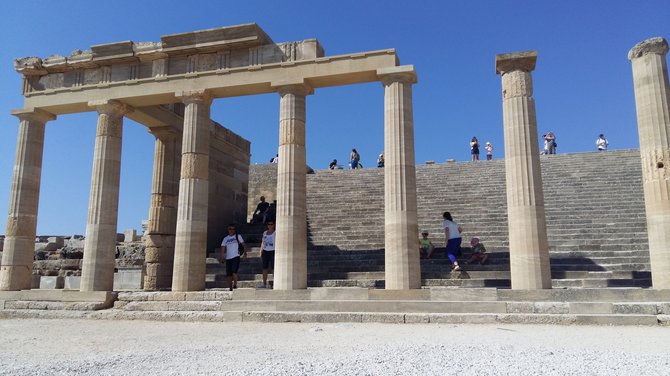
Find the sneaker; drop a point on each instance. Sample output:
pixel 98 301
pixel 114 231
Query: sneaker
pixel 456 268
pixel 234 286
pixel 262 286
pixel 231 289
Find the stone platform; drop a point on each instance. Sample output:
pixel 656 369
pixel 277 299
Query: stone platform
pixel 611 306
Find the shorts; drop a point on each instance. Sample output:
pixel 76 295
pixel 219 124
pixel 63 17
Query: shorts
pixel 479 256
pixel 268 259
pixel 232 265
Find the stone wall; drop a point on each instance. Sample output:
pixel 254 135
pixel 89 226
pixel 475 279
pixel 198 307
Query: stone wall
pixel 262 182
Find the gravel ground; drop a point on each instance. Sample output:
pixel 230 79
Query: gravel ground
pixel 89 347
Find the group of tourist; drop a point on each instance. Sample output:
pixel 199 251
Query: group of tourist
pixel 452 240
pixel 355 161
pixel 474 149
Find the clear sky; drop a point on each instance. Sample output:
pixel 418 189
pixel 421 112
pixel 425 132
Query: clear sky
pixel 583 83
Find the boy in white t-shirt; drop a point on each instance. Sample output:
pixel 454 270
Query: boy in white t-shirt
pixel 232 247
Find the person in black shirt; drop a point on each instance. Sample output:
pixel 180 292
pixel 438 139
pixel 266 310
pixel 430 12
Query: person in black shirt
pixel 260 214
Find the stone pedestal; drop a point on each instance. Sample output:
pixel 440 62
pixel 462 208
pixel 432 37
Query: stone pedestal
pixel 652 101
pixel 291 242
pixel 401 231
pixel 97 272
pixel 19 243
pixel 529 248
pixel 160 234
pixel 191 234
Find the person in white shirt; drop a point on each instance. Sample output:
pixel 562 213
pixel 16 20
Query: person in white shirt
pixel 268 253
pixel 489 151
pixel 232 247
pixel 602 143
pixel 452 236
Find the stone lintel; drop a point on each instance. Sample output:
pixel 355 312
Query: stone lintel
pixel 657 45
pixel 295 85
pixel 194 96
pixel 33 114
pixel 110 107
pixel 237 36
pixel 522 60
pixel 399 73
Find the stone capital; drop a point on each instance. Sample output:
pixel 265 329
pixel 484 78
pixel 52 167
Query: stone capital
pixel 658 46
pixel 110 107
pixel 163 133
pixel 33 114
pixel 513 61
pixel 403 73
pixel 296 89
pixel 194 96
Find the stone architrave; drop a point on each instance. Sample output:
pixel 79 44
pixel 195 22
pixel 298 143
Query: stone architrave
pixel 529 248
pixel 652 101
pixel 19 243
pixel 401 231
pixel 160 234
pixel 290 271
pixel 191 233
pixel 97 272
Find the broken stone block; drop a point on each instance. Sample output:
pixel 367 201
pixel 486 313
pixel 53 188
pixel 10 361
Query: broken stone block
pixel 129 235
pixel 58 240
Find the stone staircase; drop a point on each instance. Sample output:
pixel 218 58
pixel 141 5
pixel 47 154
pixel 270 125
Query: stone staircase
pixel 595 222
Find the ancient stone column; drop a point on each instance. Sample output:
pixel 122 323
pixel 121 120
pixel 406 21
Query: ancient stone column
pixel 160 237
pixel 652 100
pixel 19 246
pixel 97 272
pixel 291 243
pixel 528 245
pixel 401 259
pixel 191 237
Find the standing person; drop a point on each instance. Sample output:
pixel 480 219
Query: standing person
pixel 489 151
pixel 602 143
pixel 452 236
pixel 354 158
pixel 232 247
pixel 268 253
pixel 380 161
pixel 551 142
pixel 545 147
pixel 474 149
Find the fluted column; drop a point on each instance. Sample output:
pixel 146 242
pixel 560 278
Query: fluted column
pixel 160 237
pixel 19 247
pixel 528 245
pixel 291 243
pixel 652 100
pixel 97 272
pixel 191 237
pixel 401 258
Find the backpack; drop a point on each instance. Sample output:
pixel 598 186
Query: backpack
pixel 240 246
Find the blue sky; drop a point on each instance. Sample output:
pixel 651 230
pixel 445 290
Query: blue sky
pixel 583 83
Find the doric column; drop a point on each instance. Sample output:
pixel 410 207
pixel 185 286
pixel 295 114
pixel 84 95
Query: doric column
pixel 160 237
pixel 19 246
pixel 652 96
pixel 528 245
pixel 191 238
pixel 291 244
pixel 97 272
pixel 401 258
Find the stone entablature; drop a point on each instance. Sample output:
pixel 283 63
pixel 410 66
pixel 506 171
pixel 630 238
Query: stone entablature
pixel 222 49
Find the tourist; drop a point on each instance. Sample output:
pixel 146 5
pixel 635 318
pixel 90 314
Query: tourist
pixel 333 165
pixel 602 143
pixel 545 147
pixel 474 149
pixel 232 247
pixel 551 145
pixel 268 253
pixel 354 159
pixel 489 151
pixel 478 252
pixel 380 161
pixel 260 214
pixel 426 247
pixel 452 237
pixel 271 214
pixel 275 159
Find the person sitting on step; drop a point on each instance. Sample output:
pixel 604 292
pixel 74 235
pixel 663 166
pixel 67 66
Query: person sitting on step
pixel 478 252
pixel 426 247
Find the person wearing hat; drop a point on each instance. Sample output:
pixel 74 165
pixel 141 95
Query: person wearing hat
pixel 489 151
pixel 426 247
